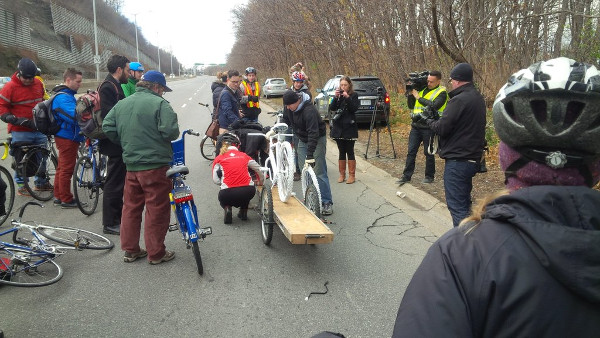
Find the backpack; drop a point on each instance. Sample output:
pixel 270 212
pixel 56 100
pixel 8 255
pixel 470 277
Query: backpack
pixel 44 117
pixel 89 113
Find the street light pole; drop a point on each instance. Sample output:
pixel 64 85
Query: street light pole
pixel 96 57
pixel 171 47
pixel 158 49
pixel 137 50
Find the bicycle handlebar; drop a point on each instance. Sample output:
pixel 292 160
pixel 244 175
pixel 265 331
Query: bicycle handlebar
pixel 191 132
pixel 203 104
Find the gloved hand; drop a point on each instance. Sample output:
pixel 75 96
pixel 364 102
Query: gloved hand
pixel 430 113
pixel 252 98
pixel 416 117
pixel 21 121
pixel 310 162
pixel 8 118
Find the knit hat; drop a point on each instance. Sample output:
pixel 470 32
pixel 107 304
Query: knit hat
pixel 290 97
pixel 462 72
pixel 536 173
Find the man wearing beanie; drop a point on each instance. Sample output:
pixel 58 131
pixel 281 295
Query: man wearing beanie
pixel 307 124
pixel 461 131
pixel 527 262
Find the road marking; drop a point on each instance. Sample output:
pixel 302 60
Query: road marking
pixel 190 99
pixel 185 104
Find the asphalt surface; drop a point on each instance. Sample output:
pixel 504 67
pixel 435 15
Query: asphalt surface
pixel 248 289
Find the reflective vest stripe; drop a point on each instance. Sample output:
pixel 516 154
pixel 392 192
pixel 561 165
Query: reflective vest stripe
pixel 432 95
pixel 248 91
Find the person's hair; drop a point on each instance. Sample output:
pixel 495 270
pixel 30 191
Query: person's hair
pixel 147 84
pixel 231 73
pixel 478 209
pixel 115 62
pixel 222 76
pixel 347 79
pixel 436 73
pixel 225 147
pixel 71 73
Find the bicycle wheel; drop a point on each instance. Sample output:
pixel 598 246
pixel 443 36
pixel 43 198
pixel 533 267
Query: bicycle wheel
pixel 312 194
pixel 20 267
pixel 78 238
pixel 208 148
pixel 10 193
pixel 86 191
pixel 286 169
pixel 189 220
pixel 196 251
pixel 266 213
pixel 42 164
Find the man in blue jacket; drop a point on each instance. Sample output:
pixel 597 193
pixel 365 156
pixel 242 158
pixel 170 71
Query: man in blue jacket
pixel 228 109
pixel 68 137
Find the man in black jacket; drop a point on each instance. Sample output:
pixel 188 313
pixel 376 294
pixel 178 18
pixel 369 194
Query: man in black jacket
pixel 307 124
pixel 110 93
pixel 461 130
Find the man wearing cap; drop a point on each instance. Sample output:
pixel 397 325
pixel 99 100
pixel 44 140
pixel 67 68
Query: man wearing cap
pixel 306 122
pixel 135 74
pixel 144 124
pixel 461 130
pixel 17 99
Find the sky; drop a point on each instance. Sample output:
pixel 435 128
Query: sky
pixel 197 31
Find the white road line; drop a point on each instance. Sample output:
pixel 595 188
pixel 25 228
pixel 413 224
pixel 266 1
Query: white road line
pixel 190 99
pixel 185 104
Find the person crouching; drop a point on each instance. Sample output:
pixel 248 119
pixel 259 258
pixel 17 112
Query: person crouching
pixel 230 170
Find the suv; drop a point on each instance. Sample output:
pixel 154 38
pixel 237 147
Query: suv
pixel 370 90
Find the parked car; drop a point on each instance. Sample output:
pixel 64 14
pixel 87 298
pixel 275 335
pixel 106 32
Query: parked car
pixel 3 80
pixel 372 95
pixel 274 87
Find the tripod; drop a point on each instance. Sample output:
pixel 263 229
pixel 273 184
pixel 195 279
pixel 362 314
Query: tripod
pixel 379 103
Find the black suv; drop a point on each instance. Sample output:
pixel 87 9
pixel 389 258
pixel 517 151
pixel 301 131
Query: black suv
pixel 372 96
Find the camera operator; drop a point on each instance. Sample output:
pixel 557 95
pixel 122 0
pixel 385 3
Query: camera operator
pixel 343 127
pixel 462 135
pixel 433 96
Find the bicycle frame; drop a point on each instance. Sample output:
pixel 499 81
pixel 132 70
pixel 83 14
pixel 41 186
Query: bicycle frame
pixel 92 150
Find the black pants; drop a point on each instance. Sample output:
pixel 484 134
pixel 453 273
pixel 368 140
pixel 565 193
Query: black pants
pixel 345 148
pixel 112 200
pixel 236 197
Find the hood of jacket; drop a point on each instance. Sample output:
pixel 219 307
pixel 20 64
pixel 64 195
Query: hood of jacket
pixel 216 84
pixel 304 98
pixel 561 226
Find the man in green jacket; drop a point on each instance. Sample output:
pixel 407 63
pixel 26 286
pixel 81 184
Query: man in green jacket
pixel 136 70
pixel 144 124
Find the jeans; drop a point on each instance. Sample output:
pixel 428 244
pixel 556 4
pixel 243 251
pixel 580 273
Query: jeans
pixel 320 166
pixel 416 136
pixel 458 183
pixel 33 137
pixel 149 189
pixel 67 155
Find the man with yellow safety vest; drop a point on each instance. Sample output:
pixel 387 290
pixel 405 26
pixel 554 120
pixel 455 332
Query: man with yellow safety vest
pixel 434 96
pixel 250 96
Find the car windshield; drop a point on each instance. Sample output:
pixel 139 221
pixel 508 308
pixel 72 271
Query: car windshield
pixel 367 85
pixel 277 81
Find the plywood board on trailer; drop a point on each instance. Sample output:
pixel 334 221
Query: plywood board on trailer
pixel 299 224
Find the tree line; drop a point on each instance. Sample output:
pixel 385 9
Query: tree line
pixel 390 38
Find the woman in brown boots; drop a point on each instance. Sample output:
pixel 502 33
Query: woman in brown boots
pixel 343 127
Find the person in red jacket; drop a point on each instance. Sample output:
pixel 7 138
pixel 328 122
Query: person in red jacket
pixel 230 170
pixel 17 99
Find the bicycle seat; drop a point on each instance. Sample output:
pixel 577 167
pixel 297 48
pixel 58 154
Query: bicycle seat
pixel 280 127
pixel 178 169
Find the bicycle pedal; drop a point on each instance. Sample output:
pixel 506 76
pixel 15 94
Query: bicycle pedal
pixel 206 231
pixel 173 227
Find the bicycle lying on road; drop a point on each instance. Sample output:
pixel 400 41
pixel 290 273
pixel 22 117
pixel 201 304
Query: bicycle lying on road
pixel 182 201
pixel 29 260
pixel 88 177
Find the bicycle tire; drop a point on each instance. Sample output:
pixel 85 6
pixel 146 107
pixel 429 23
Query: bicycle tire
pixel 197 257
pixel 312 194
pixel 286 168
pixel 191 227
pixel 10 193
pixel 86 191
pixel 25 268
pixel 266 213
pixel 78 238
pixel 48 172
pixel 208 149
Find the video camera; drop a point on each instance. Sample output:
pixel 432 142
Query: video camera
pixel 417 81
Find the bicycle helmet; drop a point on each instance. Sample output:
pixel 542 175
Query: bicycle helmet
pixel 230 138
pixel 298 76
pixel 136 66
pixel 250 70
pixel 27 68
pixel 549 113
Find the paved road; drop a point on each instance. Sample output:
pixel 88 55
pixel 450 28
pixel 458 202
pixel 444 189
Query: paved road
pixel 248 289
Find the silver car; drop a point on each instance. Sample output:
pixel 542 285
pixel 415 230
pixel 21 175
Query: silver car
pixel 274 87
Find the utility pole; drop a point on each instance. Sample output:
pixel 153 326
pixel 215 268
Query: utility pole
pixel 96 57
pixel 137 50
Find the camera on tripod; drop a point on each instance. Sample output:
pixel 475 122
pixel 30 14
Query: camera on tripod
pixel 417 81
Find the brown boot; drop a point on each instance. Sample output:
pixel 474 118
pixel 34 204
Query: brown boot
pixel 342 167
pixel 351 171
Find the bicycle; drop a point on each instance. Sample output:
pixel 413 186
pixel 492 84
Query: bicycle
pixel 310 190
pixel 88 178
pixel 40 160
pixel 182 201
pixel 208 147
pixel 7 178
pixel 30 261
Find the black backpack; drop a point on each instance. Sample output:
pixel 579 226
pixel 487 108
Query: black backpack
pixel 43 116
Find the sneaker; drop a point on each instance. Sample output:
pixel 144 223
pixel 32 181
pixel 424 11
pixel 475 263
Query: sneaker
pixel 44 187
pixel 428 180
pixel 132 257
pixel 327 209
pixel 112 229
pixel 56 202
pixel 227 217
pixel 22 191
pixel 403 180
pixel 169 255
pixel 297 176
pixel 69 205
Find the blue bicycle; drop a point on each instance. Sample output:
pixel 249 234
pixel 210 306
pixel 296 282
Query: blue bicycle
pixel 88 177
pixel 182 201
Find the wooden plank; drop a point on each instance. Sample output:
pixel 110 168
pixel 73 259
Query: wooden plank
pixel 299 224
